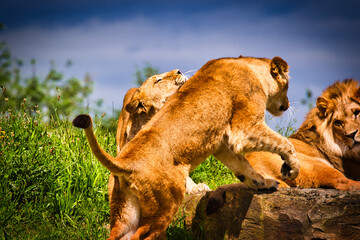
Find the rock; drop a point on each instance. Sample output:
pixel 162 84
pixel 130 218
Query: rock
pixel 236 212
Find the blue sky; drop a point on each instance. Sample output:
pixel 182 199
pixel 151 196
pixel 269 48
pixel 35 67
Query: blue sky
pixel 319 39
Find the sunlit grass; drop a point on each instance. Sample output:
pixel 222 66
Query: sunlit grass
pixel 52 186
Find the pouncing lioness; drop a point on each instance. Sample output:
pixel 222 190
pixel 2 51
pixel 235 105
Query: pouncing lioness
pixel 220 111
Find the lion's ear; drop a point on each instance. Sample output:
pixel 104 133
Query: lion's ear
pixel 279 69
pixel 137 106
pixel 357 95
pixel 322 104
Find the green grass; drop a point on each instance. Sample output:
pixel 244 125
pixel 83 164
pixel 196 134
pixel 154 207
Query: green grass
pixel 213 173
pixel 51 185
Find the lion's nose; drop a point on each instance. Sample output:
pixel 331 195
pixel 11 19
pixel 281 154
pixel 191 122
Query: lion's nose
pixel 352 135
pixel 284 108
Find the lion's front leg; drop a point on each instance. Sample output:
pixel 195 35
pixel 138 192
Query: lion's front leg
pixel 259 137
pixel 243 170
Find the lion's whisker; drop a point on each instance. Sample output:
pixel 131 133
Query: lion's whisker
pixel 193 70
pixel 188 75
pixel 291 114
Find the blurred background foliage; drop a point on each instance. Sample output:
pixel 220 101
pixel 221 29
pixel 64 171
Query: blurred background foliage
pixel 52 94
pixel 144 73
pixel 308 100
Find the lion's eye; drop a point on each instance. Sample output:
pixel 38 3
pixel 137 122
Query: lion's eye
pixel 158 80
pixel 356 112
pixel 338 123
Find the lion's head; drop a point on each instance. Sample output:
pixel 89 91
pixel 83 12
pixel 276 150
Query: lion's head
pixel 154 92
pixel 339 108
pixel 336 117
pixel 279 102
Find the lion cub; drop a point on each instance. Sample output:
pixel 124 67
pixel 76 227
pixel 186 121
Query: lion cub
pixel 220 111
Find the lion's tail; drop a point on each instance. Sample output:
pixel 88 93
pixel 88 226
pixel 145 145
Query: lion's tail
pixel 84 121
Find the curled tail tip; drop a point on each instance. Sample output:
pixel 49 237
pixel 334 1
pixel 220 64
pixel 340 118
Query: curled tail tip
pixel 82 121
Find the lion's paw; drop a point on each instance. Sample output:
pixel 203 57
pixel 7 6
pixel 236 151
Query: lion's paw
pixel 267 184
pixel 288 172
pixel 198 188
pixel 270 184
pixel 260 183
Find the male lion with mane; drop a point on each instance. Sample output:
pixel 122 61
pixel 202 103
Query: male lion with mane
pixel 219 111
pixel 327 143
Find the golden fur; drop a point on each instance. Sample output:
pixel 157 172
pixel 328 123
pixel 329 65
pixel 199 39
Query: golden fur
pixel 327 143
pixel 220 111
pixel 139 106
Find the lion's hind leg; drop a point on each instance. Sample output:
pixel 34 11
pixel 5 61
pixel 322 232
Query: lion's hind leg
pixel 155 218
pixel 149 235
pixel 159 199
pixel 151 229
pixel 243 170
pixel 124 210
pixel 140 232
pixel 157 236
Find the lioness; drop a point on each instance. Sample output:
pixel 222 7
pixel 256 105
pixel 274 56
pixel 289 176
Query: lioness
pixel 220 111
pixel 139 106
pixel 327 143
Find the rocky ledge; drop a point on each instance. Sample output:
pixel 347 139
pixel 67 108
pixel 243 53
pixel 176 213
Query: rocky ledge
pixel 236 212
